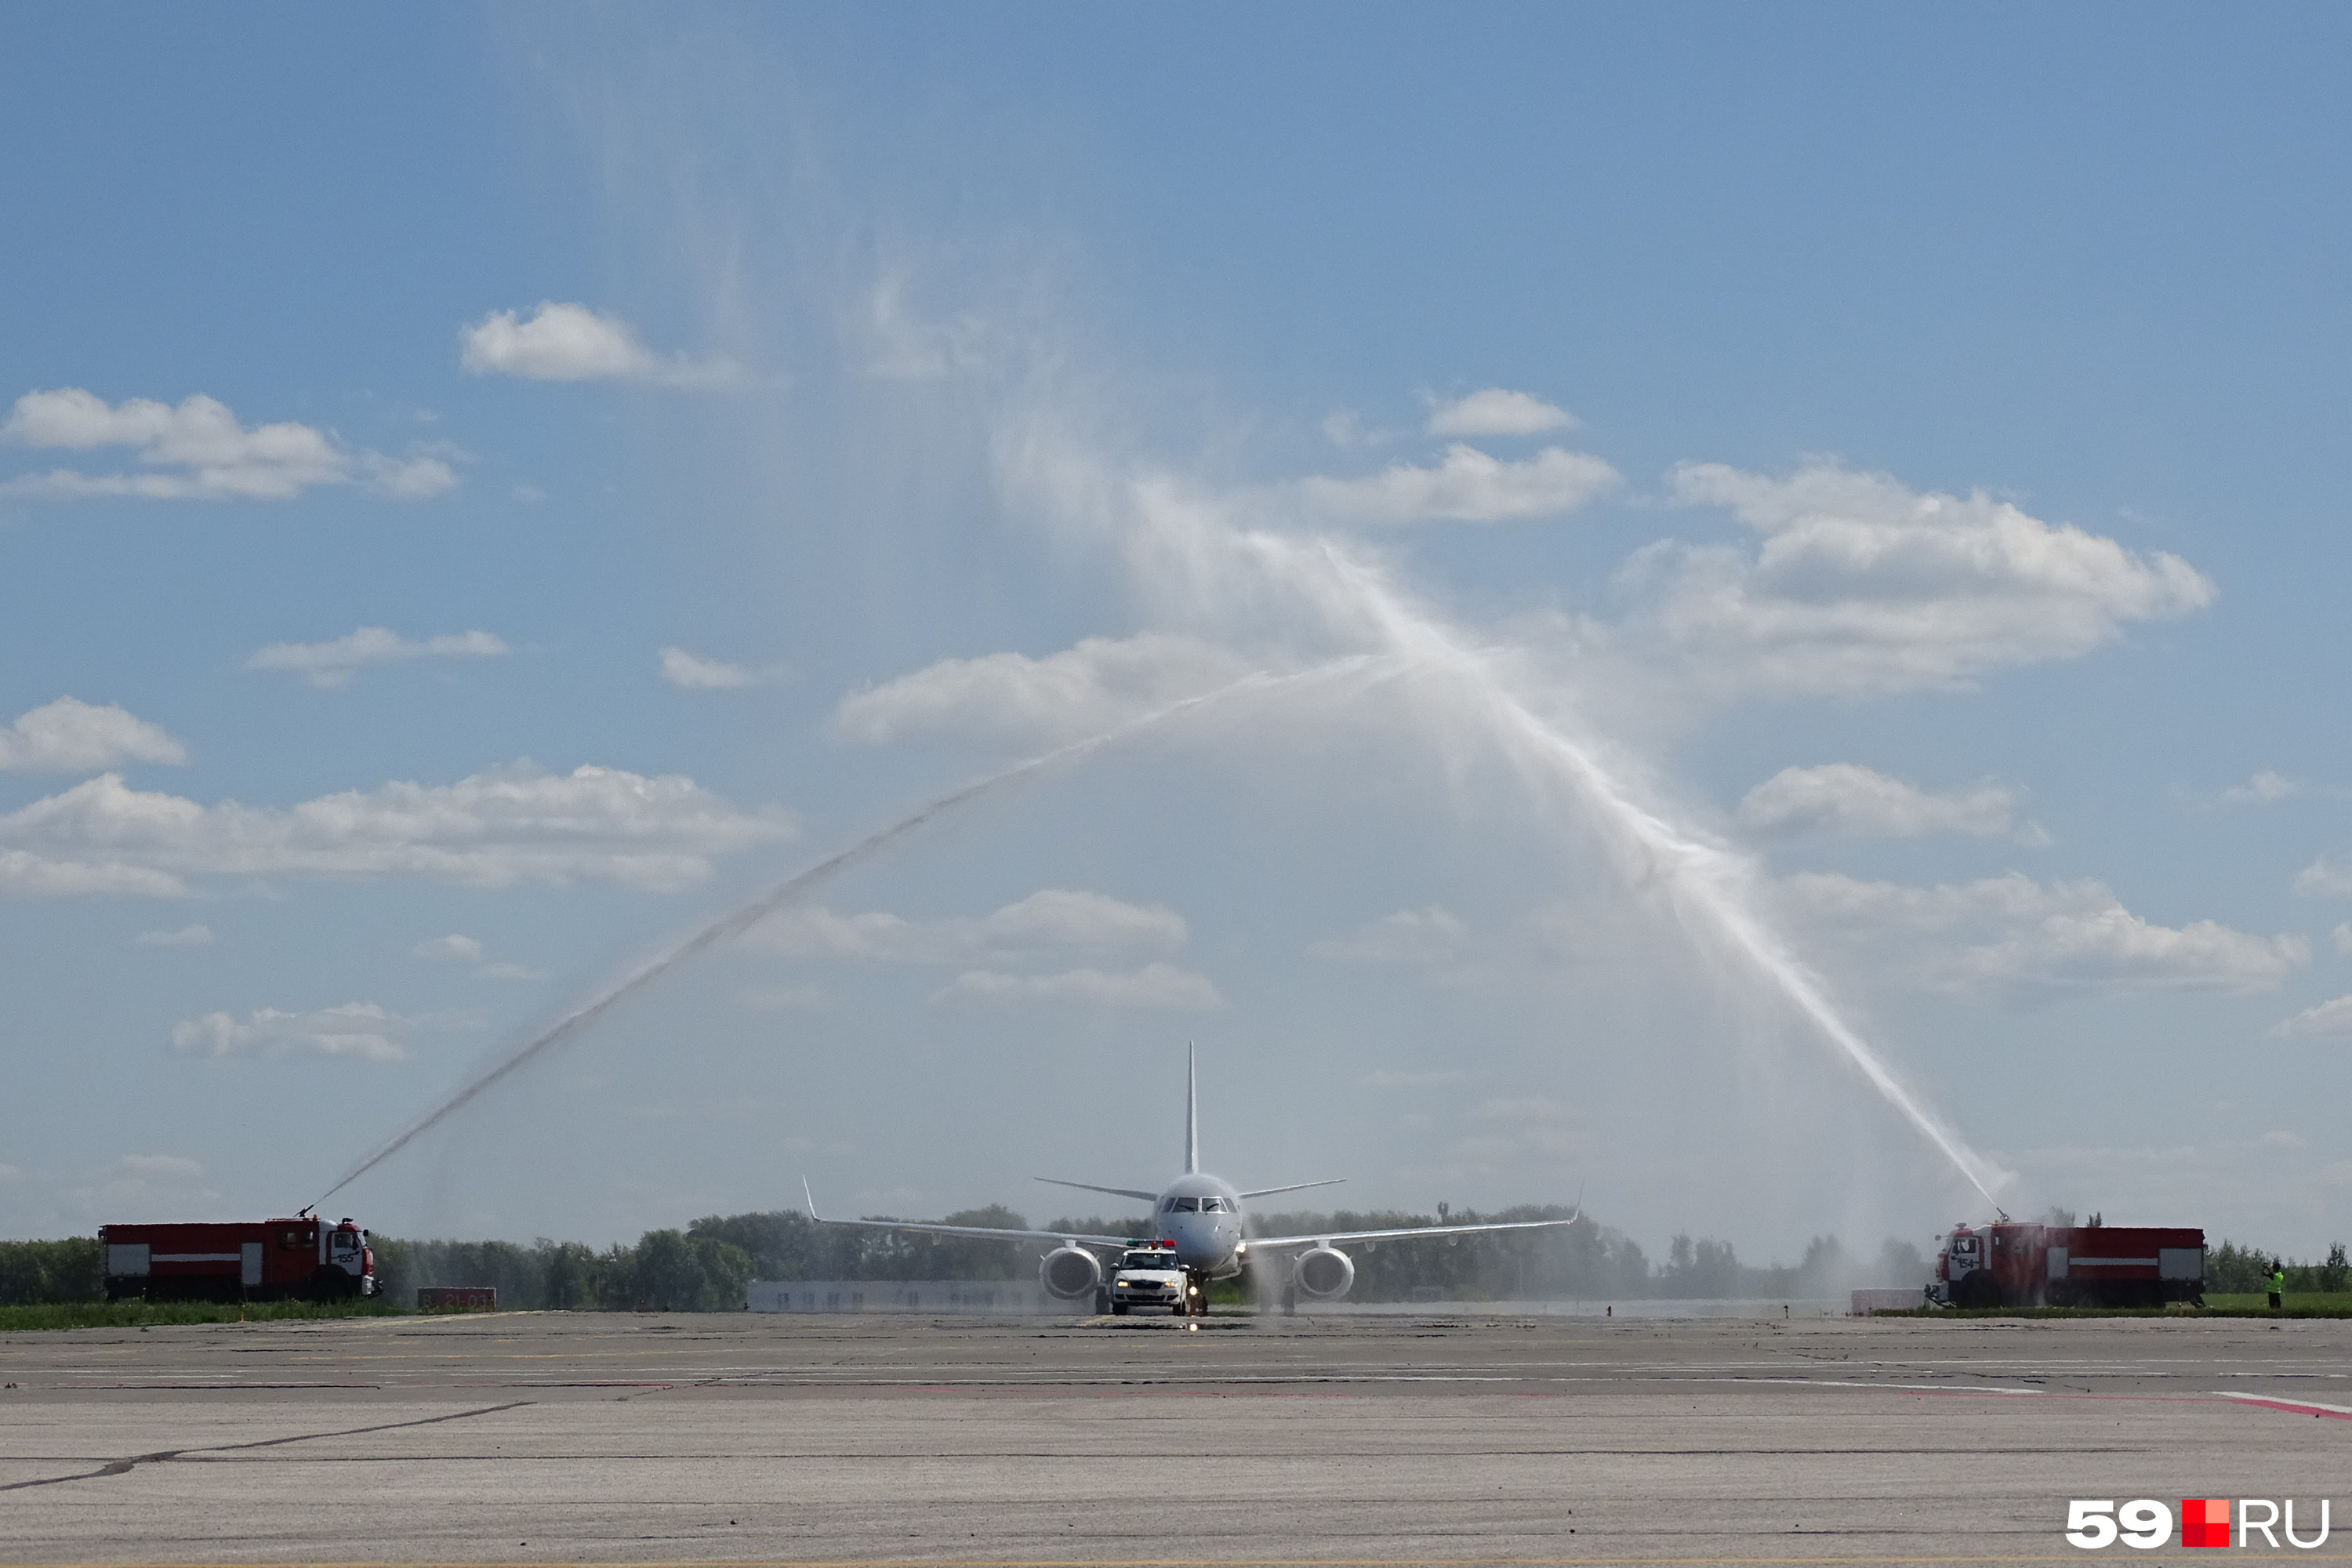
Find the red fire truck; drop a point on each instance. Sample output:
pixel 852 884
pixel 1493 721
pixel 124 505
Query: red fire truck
pixel 2007 1265
pixel 262 1260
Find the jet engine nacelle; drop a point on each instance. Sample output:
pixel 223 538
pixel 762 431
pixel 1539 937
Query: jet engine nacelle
pixel 1070 1272
pixel 1325 1272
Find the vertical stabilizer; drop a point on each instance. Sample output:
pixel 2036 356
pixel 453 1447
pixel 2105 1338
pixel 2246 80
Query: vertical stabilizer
pixel 1191 1108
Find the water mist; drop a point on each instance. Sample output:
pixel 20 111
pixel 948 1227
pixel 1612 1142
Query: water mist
pixel 807 880
pixel 1185 546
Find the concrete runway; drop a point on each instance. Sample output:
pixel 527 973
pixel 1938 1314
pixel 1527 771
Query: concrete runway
pixel 735 1439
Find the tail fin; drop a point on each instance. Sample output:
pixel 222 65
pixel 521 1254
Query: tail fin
pixel 1191 1108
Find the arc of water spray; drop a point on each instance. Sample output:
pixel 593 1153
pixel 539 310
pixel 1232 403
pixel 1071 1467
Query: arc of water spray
pixel 1701 879
pixel 738 920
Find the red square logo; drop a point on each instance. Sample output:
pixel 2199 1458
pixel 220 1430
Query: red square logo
pixel 2205 1521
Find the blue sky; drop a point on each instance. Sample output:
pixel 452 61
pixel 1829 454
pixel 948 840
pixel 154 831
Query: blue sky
pixel 1892 449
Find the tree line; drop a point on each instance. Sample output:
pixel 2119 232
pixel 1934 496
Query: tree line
pixel 706 1266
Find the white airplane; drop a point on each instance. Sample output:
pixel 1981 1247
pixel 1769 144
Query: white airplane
pixel 1200 1217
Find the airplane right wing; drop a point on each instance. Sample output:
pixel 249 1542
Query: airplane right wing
pixel 1333 1238
pixel 983 1231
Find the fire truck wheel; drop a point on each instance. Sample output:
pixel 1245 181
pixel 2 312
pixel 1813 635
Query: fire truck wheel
pixel 1977 1290
pixel 328 1283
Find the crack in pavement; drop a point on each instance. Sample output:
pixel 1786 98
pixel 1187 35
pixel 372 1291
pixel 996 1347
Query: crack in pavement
pixel 166 1456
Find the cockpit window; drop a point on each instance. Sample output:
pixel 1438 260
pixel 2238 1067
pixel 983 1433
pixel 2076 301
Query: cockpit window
pixel 1184 1206
pixel 1212 1205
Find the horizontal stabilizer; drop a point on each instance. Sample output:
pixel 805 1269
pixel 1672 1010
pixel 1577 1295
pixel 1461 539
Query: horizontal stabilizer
pixel 1115 1191
pixel 1294 1187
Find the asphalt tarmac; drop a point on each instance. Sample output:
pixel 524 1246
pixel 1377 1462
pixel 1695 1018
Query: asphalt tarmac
pixel 1427 1438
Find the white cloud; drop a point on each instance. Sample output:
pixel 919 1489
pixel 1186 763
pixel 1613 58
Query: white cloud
pixel 1467 486
pixel 1845 800
pixel 1011 699
pixel 186 936
pixel 2330 1020
pixel 1431 935
pixel 1050 918
pixel 1160 986
pixel 67 736
pixel 571 343
pixel 199 451
pixel 1495 412
pixel 467 949
pixel 1861 587
pixel 2011 933
pixel 2340 939
pixel 511 825
pixel 330 664
pixel 696 673
pixel 24 874
pixel 2329 877
pixel 359 1031
pixel 2261 790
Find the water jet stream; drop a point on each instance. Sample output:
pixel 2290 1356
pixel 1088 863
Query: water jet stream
pixel 1705 882
pixel 738 920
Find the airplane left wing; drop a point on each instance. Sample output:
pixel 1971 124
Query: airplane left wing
pixel 984 1231
pixel 1333 1238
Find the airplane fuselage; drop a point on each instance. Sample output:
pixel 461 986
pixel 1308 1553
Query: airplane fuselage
pixel 1202 1215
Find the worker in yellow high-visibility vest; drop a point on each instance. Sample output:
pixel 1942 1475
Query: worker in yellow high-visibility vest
pixel 2278 1283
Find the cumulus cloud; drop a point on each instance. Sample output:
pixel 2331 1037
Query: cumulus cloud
pixel 2013 934
pixel 1466 486
pixel 24 874
pixel 70 737
pixel 1160 986
pixel 1431 935
pixel 199 451
pixel 1010 699
pixel 468 950
pixel 1047 920
pixel 357 1031
pixel 1848 801
pixel 2330 1020
pixel 1861 587
pixel 2261 790
pixel 1495 412
pixel 511 825
pixel 186 936
pixel 695 673
pixel 330 664
pixel 571 343
pixel 2329 877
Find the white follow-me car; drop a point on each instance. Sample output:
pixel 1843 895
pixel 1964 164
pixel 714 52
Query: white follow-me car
pixel 1151 1276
